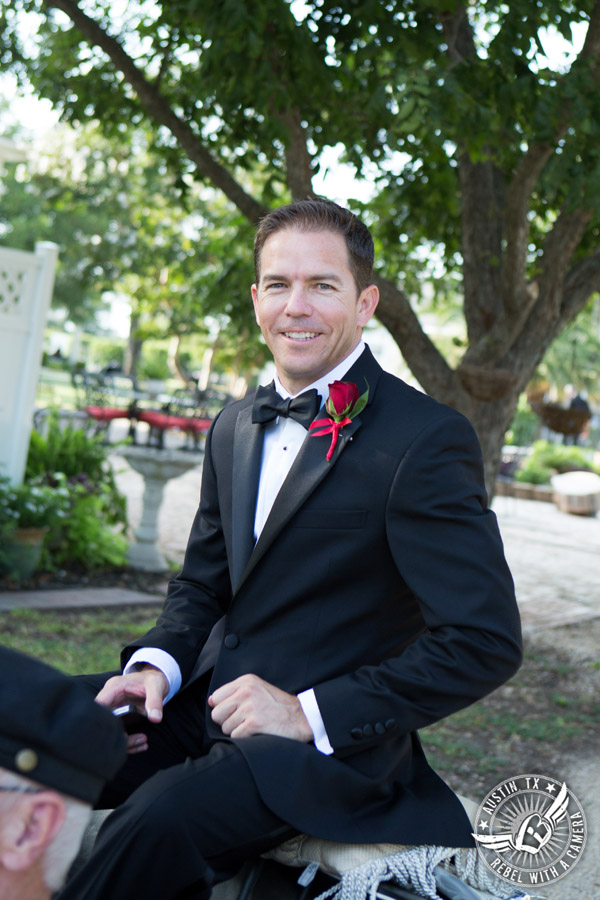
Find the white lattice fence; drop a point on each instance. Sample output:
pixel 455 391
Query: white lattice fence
pixel 26 282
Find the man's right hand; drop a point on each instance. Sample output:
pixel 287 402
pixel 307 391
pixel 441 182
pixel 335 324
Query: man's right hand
pixel 145 689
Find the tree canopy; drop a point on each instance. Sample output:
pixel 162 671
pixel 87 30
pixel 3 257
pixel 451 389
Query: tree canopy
pixel 483 152
pixel 123 227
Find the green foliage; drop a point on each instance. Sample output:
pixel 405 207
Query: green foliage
pixel 549 459
pixel 70 491
pixel 574 357
pixel 125 224
pixel 154 363
pixel 80 458
pixel 34 504
pixel 524 427
pixel 107 351
pixel 483 157
pixel 534 473
pixel 83 538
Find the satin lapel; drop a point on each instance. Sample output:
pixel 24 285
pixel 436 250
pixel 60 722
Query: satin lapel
pixel 247 452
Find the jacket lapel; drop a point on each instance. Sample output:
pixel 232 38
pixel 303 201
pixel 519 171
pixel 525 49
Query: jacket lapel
pixel 247 453
pixel 309 469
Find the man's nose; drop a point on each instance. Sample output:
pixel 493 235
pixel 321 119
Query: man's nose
pixel 298 301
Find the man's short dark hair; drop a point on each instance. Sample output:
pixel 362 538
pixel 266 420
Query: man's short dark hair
pixel 318 214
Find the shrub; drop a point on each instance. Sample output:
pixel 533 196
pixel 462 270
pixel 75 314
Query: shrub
pixel 534 473
pixel 70 490
pixel 83 537
pixel 549 459
pixel 31 505
pixel 80 458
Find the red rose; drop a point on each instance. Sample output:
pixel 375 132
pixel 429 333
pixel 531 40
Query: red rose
pixel 342 397
pixel 343 404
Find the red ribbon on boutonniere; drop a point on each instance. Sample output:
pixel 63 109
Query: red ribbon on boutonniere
pixel 343 405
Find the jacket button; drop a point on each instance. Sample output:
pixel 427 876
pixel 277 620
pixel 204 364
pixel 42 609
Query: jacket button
pixel 391 724
pixel 231 641
pixel 357 733
pixel 379 728
pixel 368 730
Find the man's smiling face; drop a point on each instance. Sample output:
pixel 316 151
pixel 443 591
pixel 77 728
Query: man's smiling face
pixel 307 304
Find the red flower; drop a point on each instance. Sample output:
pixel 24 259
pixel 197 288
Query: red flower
pixel 343 405
pixel 342 397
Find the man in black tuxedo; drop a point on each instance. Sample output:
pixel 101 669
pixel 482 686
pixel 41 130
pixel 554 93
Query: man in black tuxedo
pixel 336 595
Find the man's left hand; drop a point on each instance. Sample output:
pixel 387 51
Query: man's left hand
pixel 250 706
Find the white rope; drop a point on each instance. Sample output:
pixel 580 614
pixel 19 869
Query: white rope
pixel 411 869
pixel 469 866
pixel 414 870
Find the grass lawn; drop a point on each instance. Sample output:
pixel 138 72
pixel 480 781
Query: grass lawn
pixel 77 641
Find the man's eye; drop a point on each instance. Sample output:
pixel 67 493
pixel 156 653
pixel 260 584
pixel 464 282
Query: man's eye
pixel 323 286
pixel 276 285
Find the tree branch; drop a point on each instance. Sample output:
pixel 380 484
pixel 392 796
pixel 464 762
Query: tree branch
pixel 158 108
pixel 559 246
pixel 543 325
pixel 297 158
pixel 458 34
pixel 581 282
pixel 516 226
pixel 422 356
pixel 481 190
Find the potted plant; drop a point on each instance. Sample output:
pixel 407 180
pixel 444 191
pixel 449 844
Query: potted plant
pixel 27 512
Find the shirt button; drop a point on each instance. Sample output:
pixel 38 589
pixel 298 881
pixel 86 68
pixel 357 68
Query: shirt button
pixel 357 733
pixel 231 641
pixel 368 730
pixel 379 728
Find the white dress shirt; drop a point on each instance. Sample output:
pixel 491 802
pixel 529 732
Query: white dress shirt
pixel 282 441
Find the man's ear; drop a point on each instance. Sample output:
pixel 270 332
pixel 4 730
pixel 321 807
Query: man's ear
pixel 254 292
pixel 367 304
pixel 28 827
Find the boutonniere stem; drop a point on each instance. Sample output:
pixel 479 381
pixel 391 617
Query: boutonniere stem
pixel 343 404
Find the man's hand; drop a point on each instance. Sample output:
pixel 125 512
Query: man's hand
pixel 146 690
pixel 250 706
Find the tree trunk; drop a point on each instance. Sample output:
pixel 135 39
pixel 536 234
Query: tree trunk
pixel 491 421
pixel 133 351
pixel 174 360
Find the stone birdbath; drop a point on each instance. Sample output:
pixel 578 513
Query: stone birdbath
pixel 156 467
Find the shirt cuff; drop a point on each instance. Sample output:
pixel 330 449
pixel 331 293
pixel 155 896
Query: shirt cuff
pixel 311 710
pixel 163 661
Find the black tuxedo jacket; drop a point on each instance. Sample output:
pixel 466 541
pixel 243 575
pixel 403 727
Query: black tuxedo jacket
pixel 379 580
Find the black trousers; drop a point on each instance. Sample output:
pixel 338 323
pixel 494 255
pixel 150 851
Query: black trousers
pixel 187 814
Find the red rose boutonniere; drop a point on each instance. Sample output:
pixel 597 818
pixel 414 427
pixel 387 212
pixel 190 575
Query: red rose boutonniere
pixel 343 405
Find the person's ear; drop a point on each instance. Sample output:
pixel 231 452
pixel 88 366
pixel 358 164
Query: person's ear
pixel 28 827
pixel 254 292
pixel 367 304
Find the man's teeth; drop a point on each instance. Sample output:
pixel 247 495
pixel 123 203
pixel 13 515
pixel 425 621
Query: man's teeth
pixel 301 335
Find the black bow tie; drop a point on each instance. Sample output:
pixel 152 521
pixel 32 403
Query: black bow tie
pixel 268 405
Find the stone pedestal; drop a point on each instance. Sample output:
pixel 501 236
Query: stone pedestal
pixel 156 467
